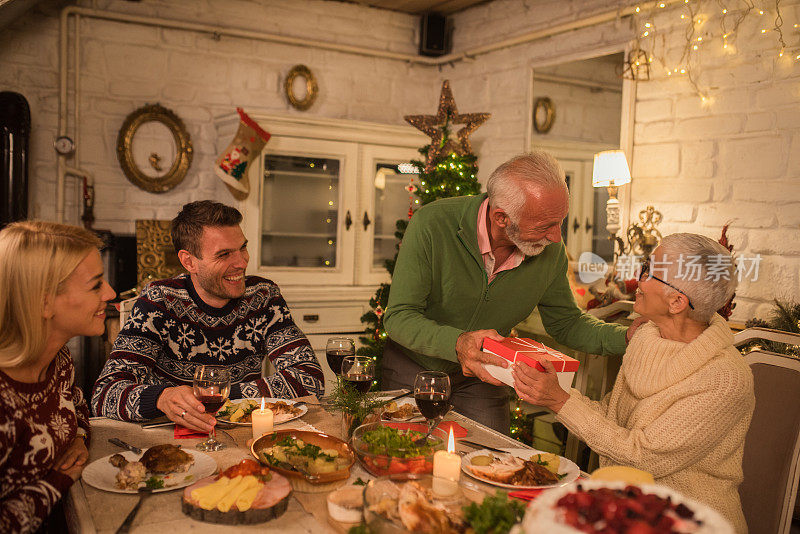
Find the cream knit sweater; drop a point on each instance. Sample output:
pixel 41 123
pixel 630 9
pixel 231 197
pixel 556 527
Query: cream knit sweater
pixel 678 410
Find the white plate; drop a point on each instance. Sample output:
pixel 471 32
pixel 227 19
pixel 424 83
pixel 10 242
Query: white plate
pixel 279 419
pixel 543 517
pixel 565 467
pixel 102 475
pixel 401 402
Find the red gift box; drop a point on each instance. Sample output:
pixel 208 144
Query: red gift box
pixel 521 349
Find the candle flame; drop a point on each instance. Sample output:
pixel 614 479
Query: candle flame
pixel 263 403
pixel 451 442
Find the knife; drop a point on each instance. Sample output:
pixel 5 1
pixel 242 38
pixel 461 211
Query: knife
pixel 397 397
pixel 120 443
pixel 480 446
pixel 159 421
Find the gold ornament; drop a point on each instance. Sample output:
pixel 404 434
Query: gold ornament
pixel 435 126
pixel 637 66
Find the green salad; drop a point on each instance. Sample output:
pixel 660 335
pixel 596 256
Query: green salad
pixel 396 443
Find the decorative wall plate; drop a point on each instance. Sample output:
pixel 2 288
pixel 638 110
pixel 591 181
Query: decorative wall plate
pixel 544 113
pixel 154 149
pixel 311 87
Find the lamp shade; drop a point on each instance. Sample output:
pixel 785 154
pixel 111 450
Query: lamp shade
pixel 610 169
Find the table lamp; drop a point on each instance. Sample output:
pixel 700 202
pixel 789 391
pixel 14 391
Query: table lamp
pixel 611 170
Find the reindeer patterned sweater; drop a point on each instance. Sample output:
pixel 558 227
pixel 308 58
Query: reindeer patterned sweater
pixel 171 332
pixel 38 422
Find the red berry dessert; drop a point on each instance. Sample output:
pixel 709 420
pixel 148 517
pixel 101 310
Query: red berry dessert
pixel 616 508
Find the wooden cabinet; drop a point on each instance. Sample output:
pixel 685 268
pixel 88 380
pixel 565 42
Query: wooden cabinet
pixel 320 216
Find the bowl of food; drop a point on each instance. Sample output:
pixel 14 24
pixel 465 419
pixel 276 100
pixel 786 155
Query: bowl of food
pixel 409 503
pixel 312 461
pixel 387 448
pixel 589 506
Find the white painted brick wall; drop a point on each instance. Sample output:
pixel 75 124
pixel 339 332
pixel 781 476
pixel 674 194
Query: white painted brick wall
pixel 735 158
pixel 124 66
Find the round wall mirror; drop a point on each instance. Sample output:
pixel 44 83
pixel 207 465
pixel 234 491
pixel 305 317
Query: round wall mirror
pixel 154 149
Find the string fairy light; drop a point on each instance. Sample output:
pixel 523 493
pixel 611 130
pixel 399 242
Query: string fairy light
pixel 699 37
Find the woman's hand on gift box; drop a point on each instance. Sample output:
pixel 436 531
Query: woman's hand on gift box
pixel 539 388
pixel 469 349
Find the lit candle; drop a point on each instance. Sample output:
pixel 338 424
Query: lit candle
pixel 262 421
pixel 446 469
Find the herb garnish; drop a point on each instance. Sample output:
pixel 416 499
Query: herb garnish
pixel 154 482
pixel 495 515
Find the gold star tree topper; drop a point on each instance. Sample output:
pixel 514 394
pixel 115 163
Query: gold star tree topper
pixel 435 125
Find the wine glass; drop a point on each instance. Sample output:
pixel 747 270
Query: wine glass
pixel 432 395
pixel 358 372
pixel 211 385
pixel 336 350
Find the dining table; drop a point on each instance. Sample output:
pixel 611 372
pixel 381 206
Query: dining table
pixel 90 510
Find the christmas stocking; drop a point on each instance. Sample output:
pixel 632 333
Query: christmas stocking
pixel 231 165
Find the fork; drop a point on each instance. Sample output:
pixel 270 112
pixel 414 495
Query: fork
pixel 124 528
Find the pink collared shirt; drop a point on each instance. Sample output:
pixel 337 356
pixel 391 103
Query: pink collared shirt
pixel 485 246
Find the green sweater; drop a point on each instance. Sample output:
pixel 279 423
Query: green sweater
pixel 440 290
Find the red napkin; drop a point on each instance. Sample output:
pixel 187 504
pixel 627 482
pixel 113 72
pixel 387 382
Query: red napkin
pixel 525 495
pixel 458 430
pixel 181 432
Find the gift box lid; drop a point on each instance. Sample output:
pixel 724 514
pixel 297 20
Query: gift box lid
pixel 520 349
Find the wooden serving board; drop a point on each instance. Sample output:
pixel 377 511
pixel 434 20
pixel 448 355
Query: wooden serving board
pixel 235 517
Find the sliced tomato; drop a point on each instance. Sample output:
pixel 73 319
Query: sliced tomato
pixel 417 465
pixel 398 466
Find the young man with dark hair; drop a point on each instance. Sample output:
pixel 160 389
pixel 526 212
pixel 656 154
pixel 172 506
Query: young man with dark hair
pixel 215 315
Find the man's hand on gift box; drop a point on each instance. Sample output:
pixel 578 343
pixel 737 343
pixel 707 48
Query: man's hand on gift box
pixel 537 387
pixel 469 349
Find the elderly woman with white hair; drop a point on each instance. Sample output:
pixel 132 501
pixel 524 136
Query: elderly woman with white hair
pixel 683 399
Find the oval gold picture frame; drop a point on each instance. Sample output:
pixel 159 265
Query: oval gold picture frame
pixel 311 87
pixel 550 114
pixel 183 148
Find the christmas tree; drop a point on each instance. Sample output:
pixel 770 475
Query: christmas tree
pixel 449 169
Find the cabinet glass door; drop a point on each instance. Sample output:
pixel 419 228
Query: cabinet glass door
pixel 385 199
pixel 297 219
pixel 300 211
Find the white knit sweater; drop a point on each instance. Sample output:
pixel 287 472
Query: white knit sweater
pixel 678 410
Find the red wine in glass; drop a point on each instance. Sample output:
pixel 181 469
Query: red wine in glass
pixel 358 372
pixel 336 350
pixel 432 395
pixel 360 382
pixel 335 357
pixel 212 403
pixel 432 405
pixel 211 386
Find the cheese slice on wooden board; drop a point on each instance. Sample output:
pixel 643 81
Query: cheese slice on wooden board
pixel 241 500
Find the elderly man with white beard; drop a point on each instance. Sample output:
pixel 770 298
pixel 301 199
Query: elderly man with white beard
pixel 474 267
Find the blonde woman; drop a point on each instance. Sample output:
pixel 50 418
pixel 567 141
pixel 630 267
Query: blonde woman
pixel 51 289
